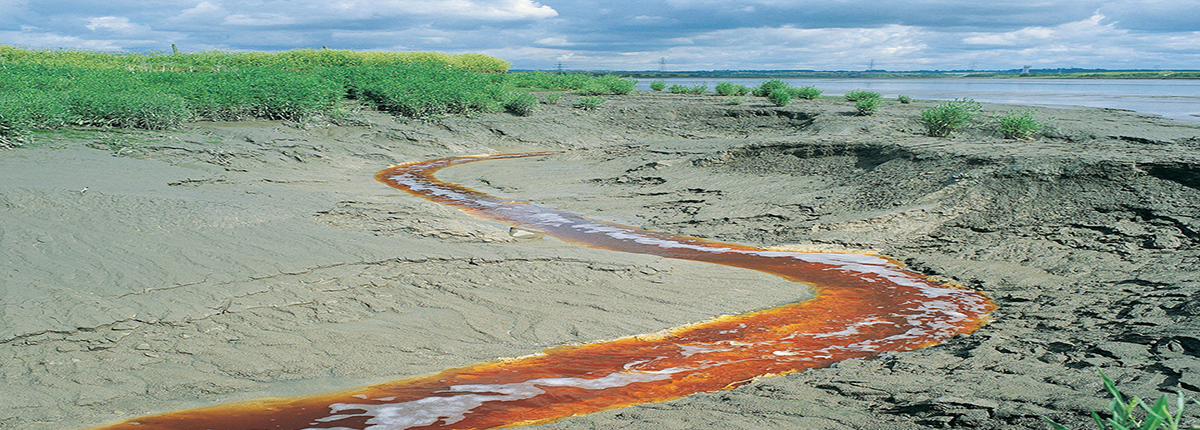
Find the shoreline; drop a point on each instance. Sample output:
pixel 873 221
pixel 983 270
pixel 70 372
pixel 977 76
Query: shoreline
pixel 260 259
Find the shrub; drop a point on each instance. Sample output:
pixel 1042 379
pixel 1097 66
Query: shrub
pixel 521 104
pixel 856 95
pixel 867 106
pixel 904 99
pixel 948 117
pixel 551 98
pixel 679 89
pixel 767 87
pixel 658 85
pixel 1019 124
pixel 589 103
pixel 780 97
pixel 547 80
pixel 807 93
pixel 731 89
pixel 592 89
pixel 734 101
pixel 616 84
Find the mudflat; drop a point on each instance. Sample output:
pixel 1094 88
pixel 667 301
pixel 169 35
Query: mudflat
pixel 144 272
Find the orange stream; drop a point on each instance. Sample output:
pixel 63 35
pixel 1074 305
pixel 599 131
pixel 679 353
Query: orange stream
pixel 865 305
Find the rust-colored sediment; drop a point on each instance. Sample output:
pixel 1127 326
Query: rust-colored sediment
pixel 865 305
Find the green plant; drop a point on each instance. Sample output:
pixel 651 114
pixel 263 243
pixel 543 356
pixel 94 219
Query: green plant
pixel 521 104
pixel 658 85
pixel 592 89
pixel 734 101
pixel 867 106
pixel 769 86
pixel 903 99
pixel 679 89
pixel 807 93
pixel 698 89
pixel 589 103
pixel 857 95
pixel 616 84
pixel 780 98
pixel 1121 412
pixel 552 98
pixel 731 89
pixel 947 117
pixel 1019 124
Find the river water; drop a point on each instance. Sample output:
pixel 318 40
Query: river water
pixel 1177 99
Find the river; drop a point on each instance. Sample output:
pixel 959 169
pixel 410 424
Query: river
pixel 1177 99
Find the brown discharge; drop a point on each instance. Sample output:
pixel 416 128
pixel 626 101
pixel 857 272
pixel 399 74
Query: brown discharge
pixel 865 305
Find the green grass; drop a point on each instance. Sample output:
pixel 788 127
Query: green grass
pixel 679 89
pixel 857 95
pixel 1020 124
pixel 867 106
pixel 807 93
pixel 731 89
pixel 903 99
pixel 46 90
pixel 658 85
pixel 1134 413
pixel 589 103
pixel 780 97
pixel 948 117
pixel 219 61
pixel 521 104
pixel 767 87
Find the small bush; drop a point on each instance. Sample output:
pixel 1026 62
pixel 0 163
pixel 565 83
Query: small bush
pixel 867 106
pixel 679 89
pixel 589 103
pixel 731 89
pixel 780 97
pixel 658 85
pixel 521 104
pixel 1020 124
pixel 807 93
pixel 552 98
pixel 948 117
pixel 857 95
pixel 769 86
pixel 734 101
pixel 904 99
pixel 592 89
pixel 616 84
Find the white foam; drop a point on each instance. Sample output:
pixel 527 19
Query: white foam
pixel 454 408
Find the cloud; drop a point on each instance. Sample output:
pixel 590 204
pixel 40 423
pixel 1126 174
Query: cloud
pixel 117 24
pixel 635 34
pixel 488 10
pixel 259 19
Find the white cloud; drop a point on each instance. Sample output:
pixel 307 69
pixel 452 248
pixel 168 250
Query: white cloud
pixel 203 11
pixel 118 24
pixel 493 10
pixel 259 19
pixel 1083 31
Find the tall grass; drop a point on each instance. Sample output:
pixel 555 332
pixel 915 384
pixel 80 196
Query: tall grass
pixel 54 89
pixel 217 61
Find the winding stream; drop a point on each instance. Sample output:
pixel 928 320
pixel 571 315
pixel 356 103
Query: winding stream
pixel 865 305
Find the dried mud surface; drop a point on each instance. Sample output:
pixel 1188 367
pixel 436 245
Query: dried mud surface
pixel 143 272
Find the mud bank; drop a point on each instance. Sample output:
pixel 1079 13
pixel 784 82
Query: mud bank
pixel 145 272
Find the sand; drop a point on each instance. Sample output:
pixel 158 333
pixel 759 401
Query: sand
pixel 144 272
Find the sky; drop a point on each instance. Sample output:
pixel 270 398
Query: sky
pixel 646 34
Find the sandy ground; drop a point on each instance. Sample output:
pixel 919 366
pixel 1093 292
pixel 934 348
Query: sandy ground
pixel 144 272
